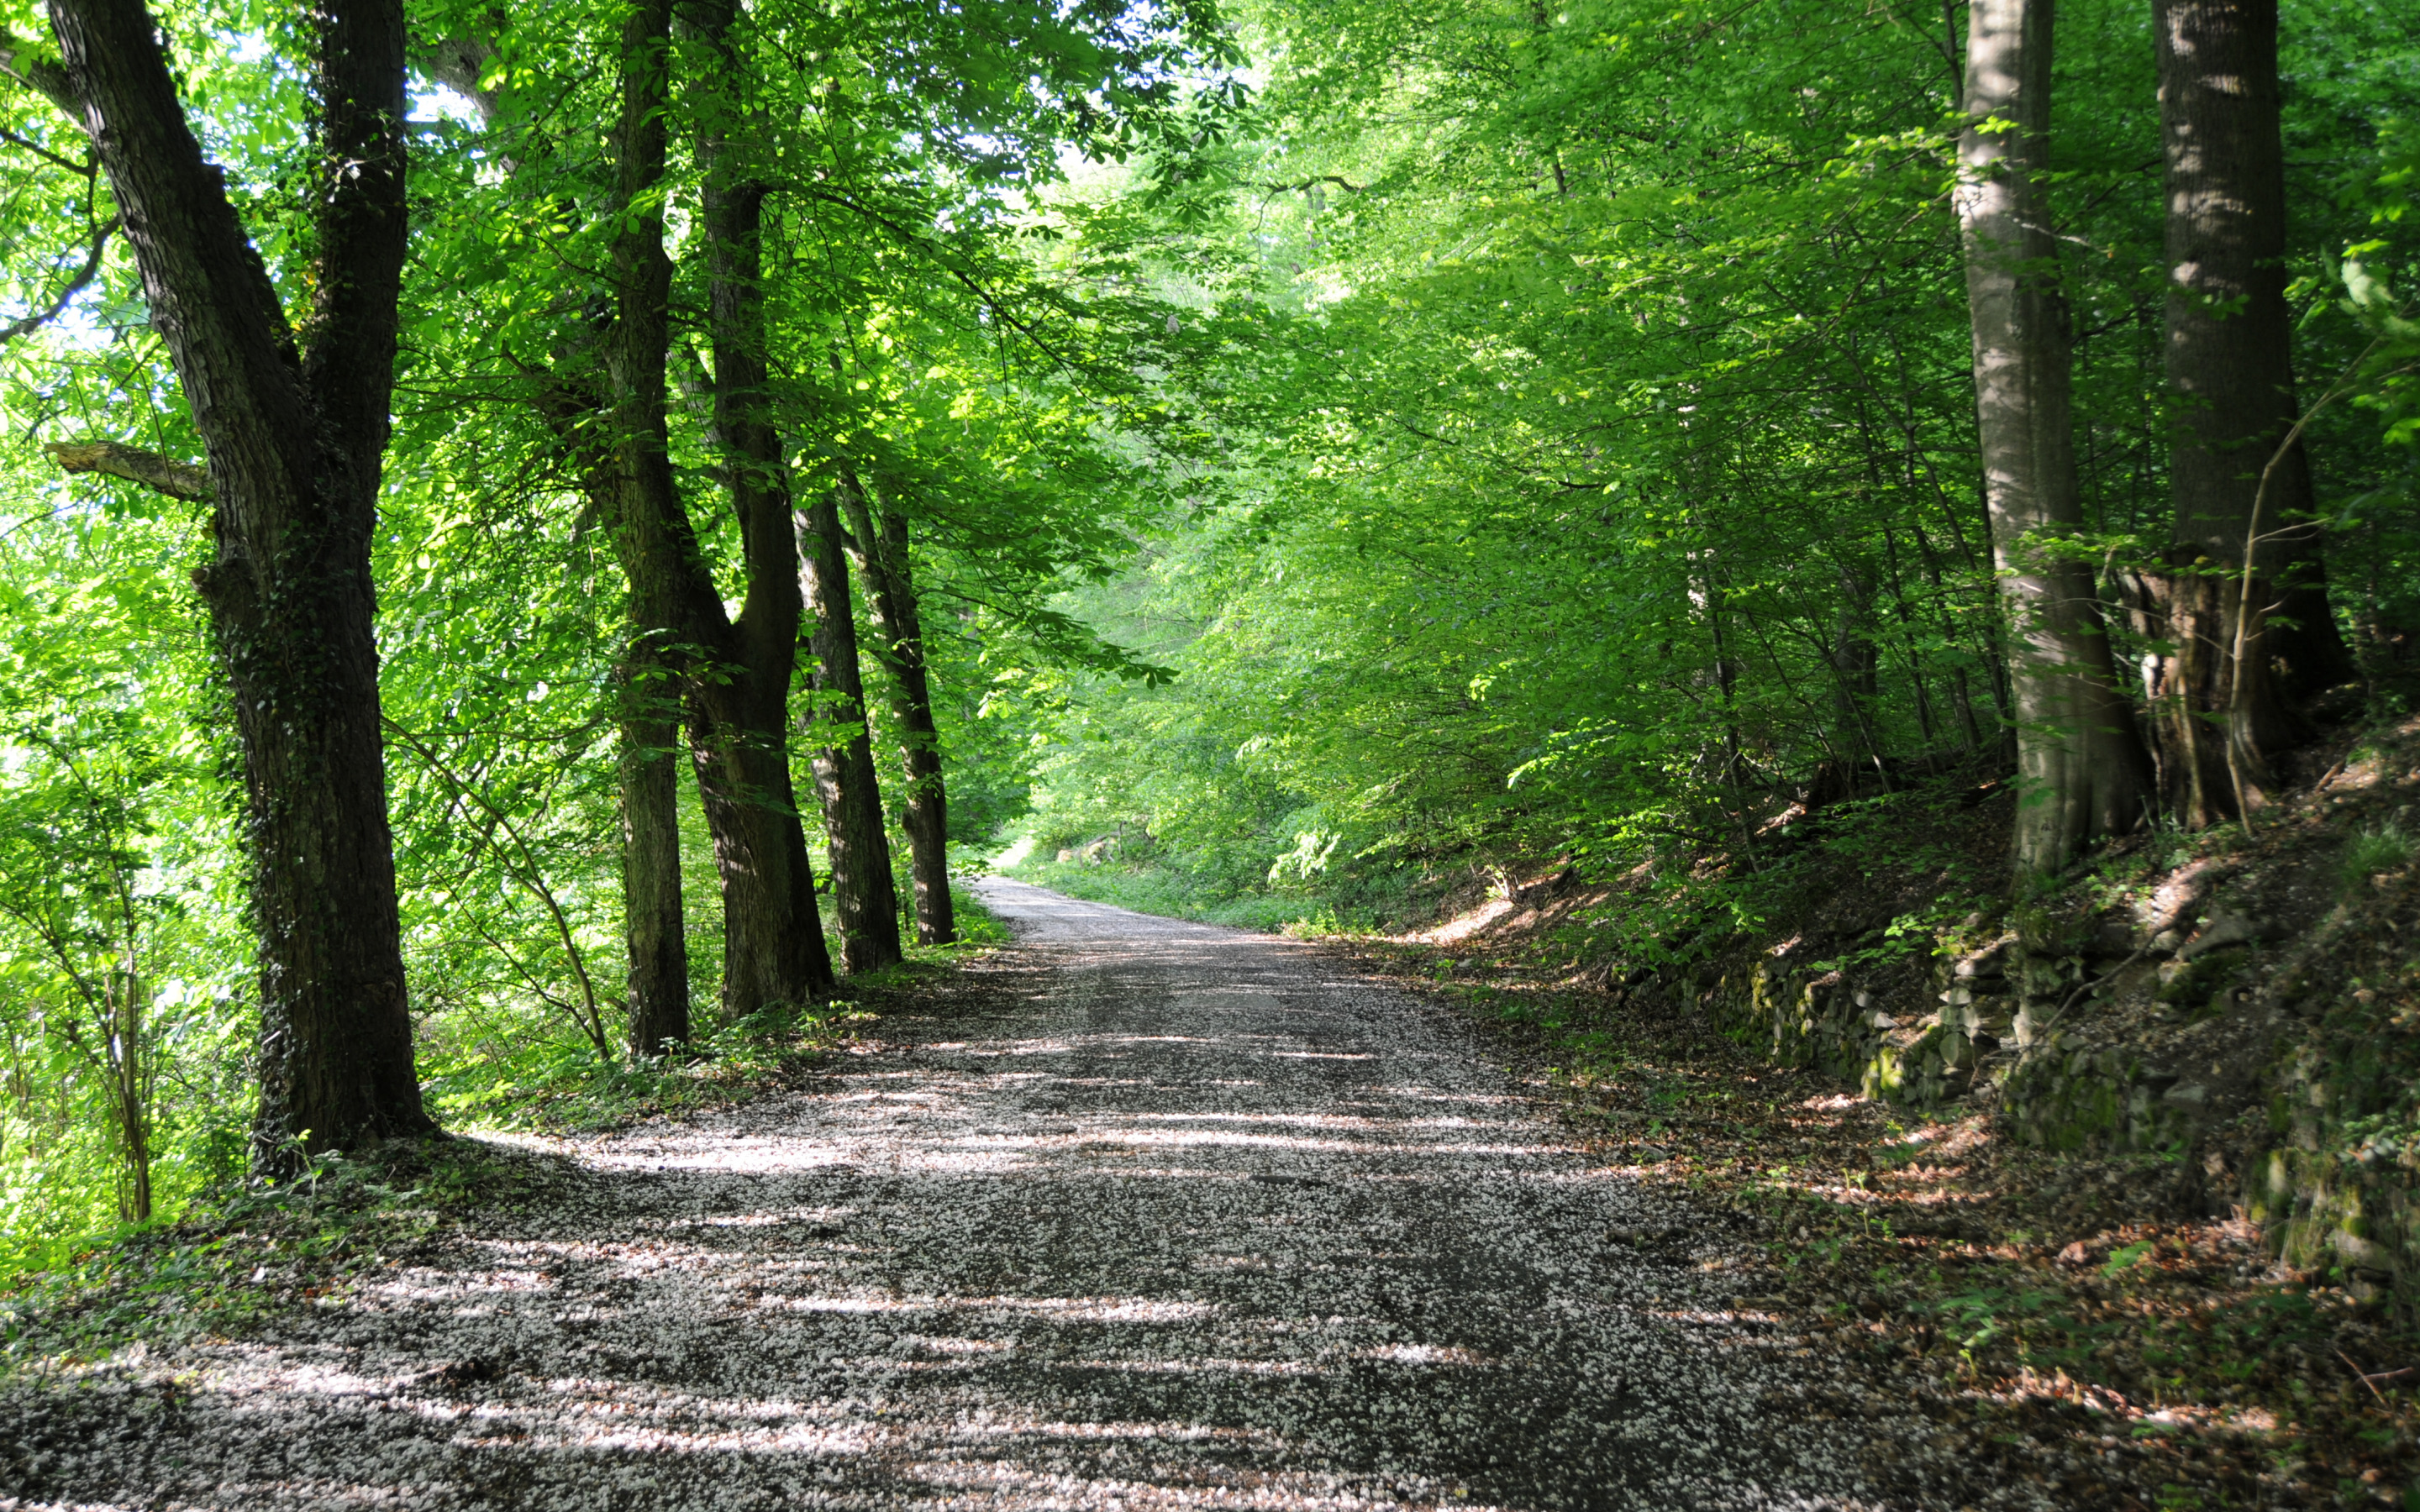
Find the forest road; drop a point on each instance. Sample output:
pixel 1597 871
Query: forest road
pixel 1160 1215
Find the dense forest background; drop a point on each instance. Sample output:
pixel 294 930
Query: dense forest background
pixel 1624 487
pixel 1300 452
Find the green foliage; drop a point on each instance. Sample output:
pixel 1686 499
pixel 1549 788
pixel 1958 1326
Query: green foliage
pixel 1597 466
pixel 122 961
pixel 2386 848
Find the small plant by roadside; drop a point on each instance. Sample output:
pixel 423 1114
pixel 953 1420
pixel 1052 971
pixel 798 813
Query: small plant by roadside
pixel 2373 852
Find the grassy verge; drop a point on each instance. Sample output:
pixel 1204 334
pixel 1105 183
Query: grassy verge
pixel 247 1253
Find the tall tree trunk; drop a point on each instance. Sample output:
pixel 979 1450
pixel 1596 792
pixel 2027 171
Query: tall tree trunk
pixel 1856 671
pixel 1905 613
pixel 655 928
pixel 736 674
pixel 899 645
pixel 652 923
pixel 843 754
pixel 2080 768
pixel 296 437
pixel 2229 353
pixel 1969 727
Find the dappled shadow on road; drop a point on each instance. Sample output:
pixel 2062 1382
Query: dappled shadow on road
pixel 1154 1215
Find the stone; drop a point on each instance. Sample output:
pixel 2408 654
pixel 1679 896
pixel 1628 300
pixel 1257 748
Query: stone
pixel 1977 968
pixel 2226 927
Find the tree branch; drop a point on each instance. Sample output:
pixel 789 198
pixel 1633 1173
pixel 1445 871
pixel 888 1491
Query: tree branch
pixel 991 299
pixel 162 474
pixel 83 170
pixel 43 75
pixel 1343 184
pixel 75 285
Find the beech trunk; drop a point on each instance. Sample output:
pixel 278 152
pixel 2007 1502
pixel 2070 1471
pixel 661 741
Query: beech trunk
pixel 899 645
pixel 843 754
pixel 654 928
pixel 2230 358
pixel 296 432
pixel 2080 768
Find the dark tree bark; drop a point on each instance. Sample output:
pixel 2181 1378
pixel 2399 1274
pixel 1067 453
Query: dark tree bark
pixel 652 923
pixel 2229 354
pixel 735 674
pixel 296 432
pixel 844 752
pixel 2080 768
pixel 1856 671
pixel 882 559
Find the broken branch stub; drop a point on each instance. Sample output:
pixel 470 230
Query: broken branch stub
pixel 162 474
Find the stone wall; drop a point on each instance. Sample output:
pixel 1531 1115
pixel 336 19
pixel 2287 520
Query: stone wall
pixel 2337 1184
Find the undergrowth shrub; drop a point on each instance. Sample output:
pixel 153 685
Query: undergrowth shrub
pixel 2386 848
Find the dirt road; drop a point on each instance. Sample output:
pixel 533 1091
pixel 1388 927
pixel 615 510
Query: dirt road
pixel 1173 1216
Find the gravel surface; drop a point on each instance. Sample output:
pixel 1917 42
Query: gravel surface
pixel 1157 1215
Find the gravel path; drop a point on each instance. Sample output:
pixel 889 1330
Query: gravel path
pixel 1173 1216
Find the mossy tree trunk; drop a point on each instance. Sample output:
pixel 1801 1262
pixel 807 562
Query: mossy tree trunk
pixel 653 928
pixel 844 752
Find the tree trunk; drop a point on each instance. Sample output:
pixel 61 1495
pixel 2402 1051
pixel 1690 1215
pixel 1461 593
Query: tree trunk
pixel 736 674
pixel 296 436
pixel 843 754
pixel 652 923
pixel 1856 672
pixel 2307 650
pixel 2080 766
pixel 655 928
pixel 899 645
pixel 2229 353
pixel 125 995
pixel 654 920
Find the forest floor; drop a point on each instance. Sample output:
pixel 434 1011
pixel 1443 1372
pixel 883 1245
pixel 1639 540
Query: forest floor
pixel 1135 1213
